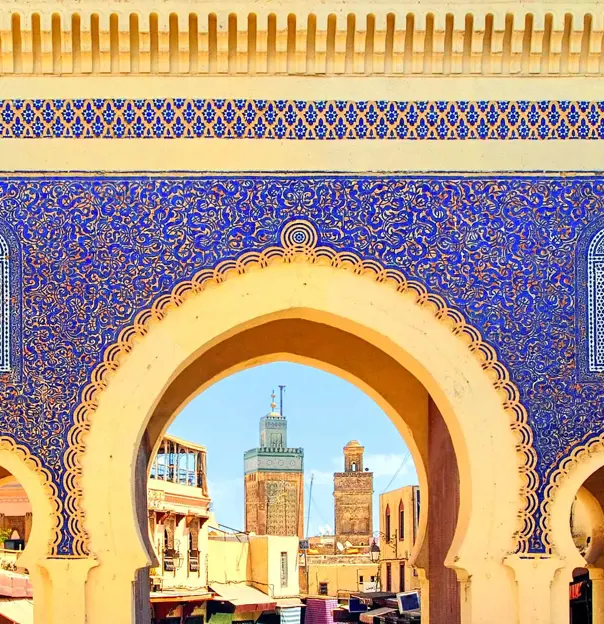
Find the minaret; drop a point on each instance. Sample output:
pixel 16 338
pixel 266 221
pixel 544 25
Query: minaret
pixel 274 480
pixel 273 428
pixel 353 499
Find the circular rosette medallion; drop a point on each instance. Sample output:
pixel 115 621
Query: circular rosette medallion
pixel 299 235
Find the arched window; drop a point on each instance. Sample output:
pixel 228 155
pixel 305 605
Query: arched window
pixel 595 302
pixel 401 521
pixel 5 310
pixel 387 523
pixel 353 466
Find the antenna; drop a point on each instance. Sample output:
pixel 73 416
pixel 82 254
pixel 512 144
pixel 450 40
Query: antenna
pixel 281 391
pixel 312 478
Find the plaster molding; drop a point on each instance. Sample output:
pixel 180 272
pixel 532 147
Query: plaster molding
pixel 364 38
pixel 299 243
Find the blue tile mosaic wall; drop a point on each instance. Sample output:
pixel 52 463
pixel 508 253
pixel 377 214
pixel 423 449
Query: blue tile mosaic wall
pixel 95 250
pixel 298 120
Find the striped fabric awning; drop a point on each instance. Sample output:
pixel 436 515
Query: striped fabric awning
pixel 290 615
pixel 17 610
pixel 243 597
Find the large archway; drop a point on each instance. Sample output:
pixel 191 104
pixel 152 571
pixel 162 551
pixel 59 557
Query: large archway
pixel 322 314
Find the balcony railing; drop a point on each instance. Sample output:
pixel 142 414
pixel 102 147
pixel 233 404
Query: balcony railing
pixel 193 557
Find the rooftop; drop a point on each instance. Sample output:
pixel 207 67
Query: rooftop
pixel 186 443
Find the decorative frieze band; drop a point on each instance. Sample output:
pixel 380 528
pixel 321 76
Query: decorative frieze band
pixel 167 118
pixel 320 43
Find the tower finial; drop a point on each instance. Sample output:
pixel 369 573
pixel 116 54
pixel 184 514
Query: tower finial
pixel 273 404
pixel 281 390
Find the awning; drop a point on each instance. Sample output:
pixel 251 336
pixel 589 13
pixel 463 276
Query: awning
pixel 184 595
pixel 18 610
pixel 287 603
pixel 367 616
pixel 243 597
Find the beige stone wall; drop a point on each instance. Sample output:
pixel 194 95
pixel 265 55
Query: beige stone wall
pixel 255 560
pixel 228 561
pixel 267 553
pixel 342 574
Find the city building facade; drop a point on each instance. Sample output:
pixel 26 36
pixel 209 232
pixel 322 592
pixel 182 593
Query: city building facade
pixel 274 481
pixel 338 576
pixel 201 571
pixel 353 500
pixel 178 504
pixel 399 524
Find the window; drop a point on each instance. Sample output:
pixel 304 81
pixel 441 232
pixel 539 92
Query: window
pixel 388 577
pixel 387 524
pixel 401 578
pixel 401 521
pixel 283 569
pixel 361 578
pixel 595 302
pixel 322 589
pixel 353 467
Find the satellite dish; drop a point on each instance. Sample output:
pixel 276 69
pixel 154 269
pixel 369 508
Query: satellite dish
pixel 340 547
pixel 347 544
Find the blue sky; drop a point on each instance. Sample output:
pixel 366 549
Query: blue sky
pixel 323 411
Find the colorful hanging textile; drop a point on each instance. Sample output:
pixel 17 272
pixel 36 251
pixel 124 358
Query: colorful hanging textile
pixel 320 611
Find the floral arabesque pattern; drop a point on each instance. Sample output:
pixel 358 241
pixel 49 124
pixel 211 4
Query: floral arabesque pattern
pixel 99 249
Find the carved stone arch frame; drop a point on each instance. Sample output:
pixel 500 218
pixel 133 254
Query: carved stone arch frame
pixel 582 285
pixel 15 303
pixel 310 277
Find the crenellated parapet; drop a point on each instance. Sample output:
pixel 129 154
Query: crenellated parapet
pixel 334 38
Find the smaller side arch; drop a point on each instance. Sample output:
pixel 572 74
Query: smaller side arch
pixel 565 484
pixel 562 487
pixel 42 494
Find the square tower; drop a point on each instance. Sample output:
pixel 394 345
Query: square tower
pixel 353 499
pixel 274 481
